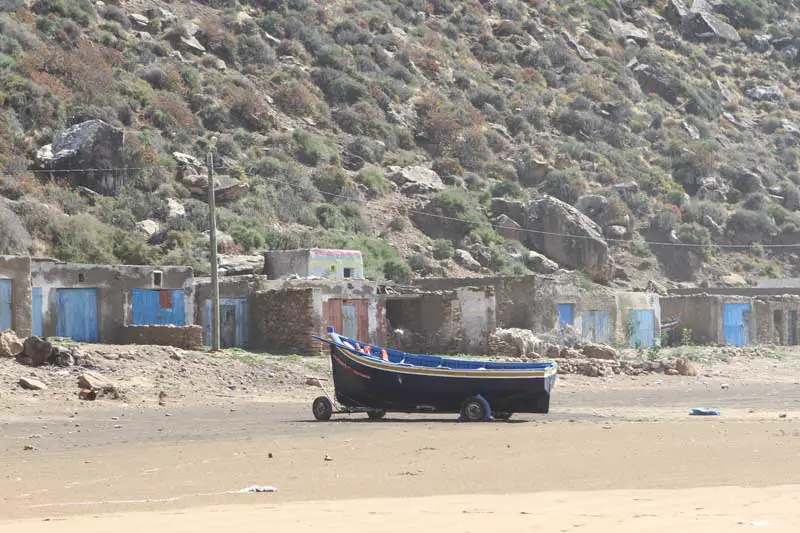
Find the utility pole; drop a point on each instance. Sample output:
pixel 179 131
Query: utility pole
pixel 212 219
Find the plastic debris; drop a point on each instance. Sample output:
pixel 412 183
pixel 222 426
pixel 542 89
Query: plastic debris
pixel 258 488
pixel 702 411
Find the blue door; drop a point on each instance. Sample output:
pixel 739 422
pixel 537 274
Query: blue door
pixel 158 307
pixel 6 304
pixel 36 312
pixel 233 331
pixel 736 324
pixel 566 315
pixel 596 326
pixel 641 328
pixel 76 317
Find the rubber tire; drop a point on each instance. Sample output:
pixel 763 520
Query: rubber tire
pixel 503 415
pixel 473 410
pixel 376 415
pixel 322 409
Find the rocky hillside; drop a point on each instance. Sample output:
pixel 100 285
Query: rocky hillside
pixel 438 136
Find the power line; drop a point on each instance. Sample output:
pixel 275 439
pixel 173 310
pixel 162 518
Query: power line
pixel 7 171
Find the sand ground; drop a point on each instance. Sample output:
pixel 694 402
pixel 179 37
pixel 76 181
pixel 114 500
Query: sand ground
pixel 617 454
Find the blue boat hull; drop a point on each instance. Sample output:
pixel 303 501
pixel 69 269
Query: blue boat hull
pixel 369 383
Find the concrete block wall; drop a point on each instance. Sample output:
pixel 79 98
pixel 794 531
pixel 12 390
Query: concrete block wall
pixel 18 270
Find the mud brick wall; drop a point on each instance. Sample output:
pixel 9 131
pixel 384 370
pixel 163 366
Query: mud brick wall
pixel 186 337
pixel 283 321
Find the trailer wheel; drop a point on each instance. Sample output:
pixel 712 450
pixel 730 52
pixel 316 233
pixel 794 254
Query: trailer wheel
pixel 322 408
pixel 376 415
pixel 474 410
pixel 503 415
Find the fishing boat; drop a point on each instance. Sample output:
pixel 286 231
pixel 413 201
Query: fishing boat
pixel 375 380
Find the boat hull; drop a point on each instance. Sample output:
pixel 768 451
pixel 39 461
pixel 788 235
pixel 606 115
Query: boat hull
pixel 362 383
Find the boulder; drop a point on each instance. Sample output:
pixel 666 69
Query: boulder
pixel 10 344
pixel 685 367
pixel 514 342
pixel 761 93
pixel 94 381
pixel 63 356
pixel 713 189
pixel 507 227
pixel 652 81
pixel 31 384
pixel 702 25
pixel 615 232
pixel 676 12
pixel 226 188
pixel 35 352
pixel 140 21
pixel 599 351
pixel 238 265
pixel 175 209
pixel 569 353
pixel 539 263
pixel 563 234
pixel 733 280
pixel 701 6
pixel 93 144
pixel 759 42
pixel 625 30
pixel 148 228
pixel 422 177
pixel 656 287
pixel 465 259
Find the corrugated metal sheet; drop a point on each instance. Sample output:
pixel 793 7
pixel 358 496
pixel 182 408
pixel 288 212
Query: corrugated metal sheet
pixel 233 318
pixel 36 312
pixel 158 307
pixel 736 324
pixel 6 304
pixel 566 315
pixel 596 325
pixel 641 328
pixel 76 317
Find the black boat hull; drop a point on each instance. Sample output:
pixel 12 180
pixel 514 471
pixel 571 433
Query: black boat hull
pixel 372 385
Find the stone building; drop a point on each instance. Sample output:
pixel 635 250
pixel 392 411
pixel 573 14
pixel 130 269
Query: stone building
pixel 91 303
pixel 735 315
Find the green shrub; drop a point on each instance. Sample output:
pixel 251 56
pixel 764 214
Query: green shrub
pixel 370 150
pixel 374 179
pixel 443 249
pixel 339 87
pixel 397 270
pixel 314 150
pixel 296 98
pixel 472 149
pixel 566 185
pixel 697 235
pixel 510 189
pixel 746 226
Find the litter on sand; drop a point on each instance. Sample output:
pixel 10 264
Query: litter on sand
pixel 258 488
pixel 702 411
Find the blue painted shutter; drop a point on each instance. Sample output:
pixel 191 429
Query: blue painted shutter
pixel 6 304
pixel 207 322
pixel 148 307
pixel 77 314
pixel 642 326
pixel 566 315
pixel 597 326
pixel 241 323
pixel 736 324
pixel 36 312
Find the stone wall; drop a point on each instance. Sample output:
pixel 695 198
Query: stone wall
pixel 702 314
pixel 773 320
pixel 18 270
pixel 186 337
pixel 283 321
pixel 429 322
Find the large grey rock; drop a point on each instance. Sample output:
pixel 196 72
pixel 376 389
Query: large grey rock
pixel 226 188
pixel 701 25
pixel 761 93
pixel 625 30
pixel 148 228
pixel 540 264
pixel 35 352
pixel 562 233
pixel 507 227
pixel 175 209
pixel 676 12
pixel 421 177
pixel 651 80
pixel 31 384
pixel 238 265
pixel 583 53
pixel 465 259
pixel 93 145
pixel 10 344
pixel 514 342
pixel 94 381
